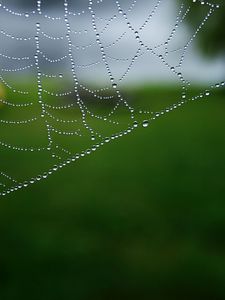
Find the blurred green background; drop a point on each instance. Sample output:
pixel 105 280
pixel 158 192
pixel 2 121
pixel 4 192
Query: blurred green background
pixel 142 218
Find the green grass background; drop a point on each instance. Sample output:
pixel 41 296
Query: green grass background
pixel 142 218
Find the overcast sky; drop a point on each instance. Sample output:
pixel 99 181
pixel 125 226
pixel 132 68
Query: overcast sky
pixel 146 68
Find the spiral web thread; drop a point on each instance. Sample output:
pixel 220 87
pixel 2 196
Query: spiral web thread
pixel 61 155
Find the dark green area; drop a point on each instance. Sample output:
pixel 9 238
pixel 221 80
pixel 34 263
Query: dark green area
pixel 142 218
pixel 212 39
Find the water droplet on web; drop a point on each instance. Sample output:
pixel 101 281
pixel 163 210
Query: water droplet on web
pixel 135 124
pixel 145 123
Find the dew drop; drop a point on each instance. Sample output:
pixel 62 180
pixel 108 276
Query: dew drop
pixel 145 123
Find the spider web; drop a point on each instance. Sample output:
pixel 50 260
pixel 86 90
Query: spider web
pixel 56 115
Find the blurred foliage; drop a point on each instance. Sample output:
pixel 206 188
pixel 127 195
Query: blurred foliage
pixel 142 218
pixel 212 38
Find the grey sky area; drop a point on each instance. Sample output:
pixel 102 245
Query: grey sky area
pixel 119 42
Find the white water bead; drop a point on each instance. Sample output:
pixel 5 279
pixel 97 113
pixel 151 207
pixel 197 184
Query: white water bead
pixel 145 123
